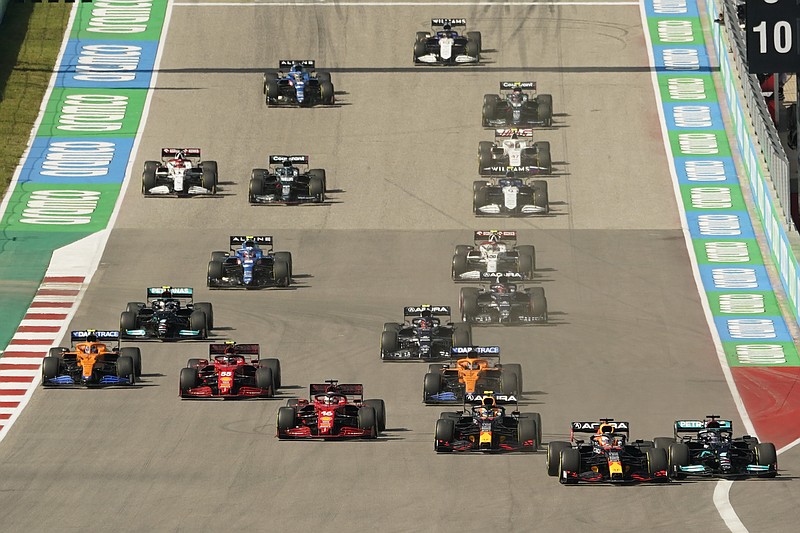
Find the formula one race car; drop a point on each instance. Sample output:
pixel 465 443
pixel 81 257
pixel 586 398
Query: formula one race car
pixel 502 302
pixel 333 411
pixel 286 184
pixel 487 427
pixel 513 107
pixel 514 149
pixel 297 83
pixel 250 266
pixel 180 172
pixel 95 359
pixel 169 314
pixel 707 448
pixel 227 373
pixel 424 337
pixel 446 46
pixel 472 373
pixel 510 196
pixel 494 251
pixel 608 457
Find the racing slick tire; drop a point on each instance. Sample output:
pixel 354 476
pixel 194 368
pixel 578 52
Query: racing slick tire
pixel 268 76
pixel 271 92
pixel 459 266
pixel 389 342
pixel 420 49
pixel 136 355
pixel 510 385
pixel 133 307
pixel 473 49
pixel 265 380
pixel 445 431
pixel 677 455
pixel 215 272
pixel 538 418
pixel 126 369
pixel 475 37
pixel 422 36
pixel 208 309
pixel 431 385
pixel 663 442
pixel 199 322
pixel 544 110
pixel 57 352
pixel 436 367
pixel 527 431
pixel 484 155
pixel 469 303
pixel 540 196
pixel 516 369
pixel 463 249
pixel 766 456
pixel 450 415
pixel 287 258
pixel 656 461
pixel 193 363
pixel 487 114
pixel 208 177
pixel 462 335
pixel 275 365
pixel 538 303
pixel 391 326
pixel 380 412
pixel 543 158
pixel 554 456
pixel 324 76
pixel 280 273
pixel 127 320
pixel 219 256
pixel 477 185
pixel 188 380
pixel 569 460
pixel 286 420
pixel 527 250
pixel 320 173
pixel 326 93
pixel 256 188
pixel 480 198
pixel 50 368
pixel 368 420
pixel 149 175
pixel 316 188
pixel 490 100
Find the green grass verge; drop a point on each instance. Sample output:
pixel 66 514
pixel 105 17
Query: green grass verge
pixel 30 38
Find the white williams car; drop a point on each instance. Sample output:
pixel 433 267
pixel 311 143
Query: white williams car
pixel 445 46
pixel 510 196
pixel 514 149
pixel 180 172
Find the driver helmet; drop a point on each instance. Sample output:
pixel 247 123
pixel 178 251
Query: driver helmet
pixel 500 288
pixel 516 96
pixel 711 437
pixel 603 439
pixel 330 399
pixel 510 174
pixel 488 406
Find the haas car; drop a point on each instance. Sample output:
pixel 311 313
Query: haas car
pixel 297 83
pixel 93 360
pixel 424 337
pixel 333 410
pixel 251 264
pixel 493 251
pixel 170 313
pixel 231 371
pixel 707 448
pixel 445 46
pixel 514 149
pixel 608 456
pixel 510 196
pixel 284 183
pixel 180 172
pixel 503 301
pixel 486 426
pixel 515 107
pixel 476 371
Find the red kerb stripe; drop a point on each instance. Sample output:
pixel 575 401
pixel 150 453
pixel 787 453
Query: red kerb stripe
pixel 21 366
pixel 12 392
pixel 57 292
pixel 64 279
pixel 15 379
pixel 18 353
pixel 51 304
pixel 38 329
pixel 44 316
pixel 9 405
pixel 33 342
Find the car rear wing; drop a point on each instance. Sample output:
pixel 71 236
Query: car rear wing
pixel 475 351
pixel 482 235
pixel 500 133
pixel 474 398
pixel 435 23
pixel 238 240
pixel 419 310
pixel 172 152
pixel 102 336
pixel 294 159
pixel 348 389
pixel 238 349
pixel 683 427
pixel 183 293
pixel 289 63
pixel 592 427
pixel 495 276
pixel 511 85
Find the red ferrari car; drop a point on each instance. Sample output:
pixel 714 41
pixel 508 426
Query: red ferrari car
pixel 228 374
pixel 333 411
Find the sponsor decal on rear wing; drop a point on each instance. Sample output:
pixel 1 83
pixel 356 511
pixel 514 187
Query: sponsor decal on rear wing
pixel 508 132
pixel 495 276
pixel 296 159
pixel 348 389
pixel 592 427
pixel 434 310
pixel 238 240
pixel 509 85
pixel 187 152
pixel 476 398
pixel 83 335
pixel 289 63
pixel 451 22
pixel 476 351
pixel 695 426
pixel 169 292
pixel 238 349
pixel 482 235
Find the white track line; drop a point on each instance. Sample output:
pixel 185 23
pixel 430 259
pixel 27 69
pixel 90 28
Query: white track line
pixel 723 504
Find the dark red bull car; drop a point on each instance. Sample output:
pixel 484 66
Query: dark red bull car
pixel 332 411
pixel 231 371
